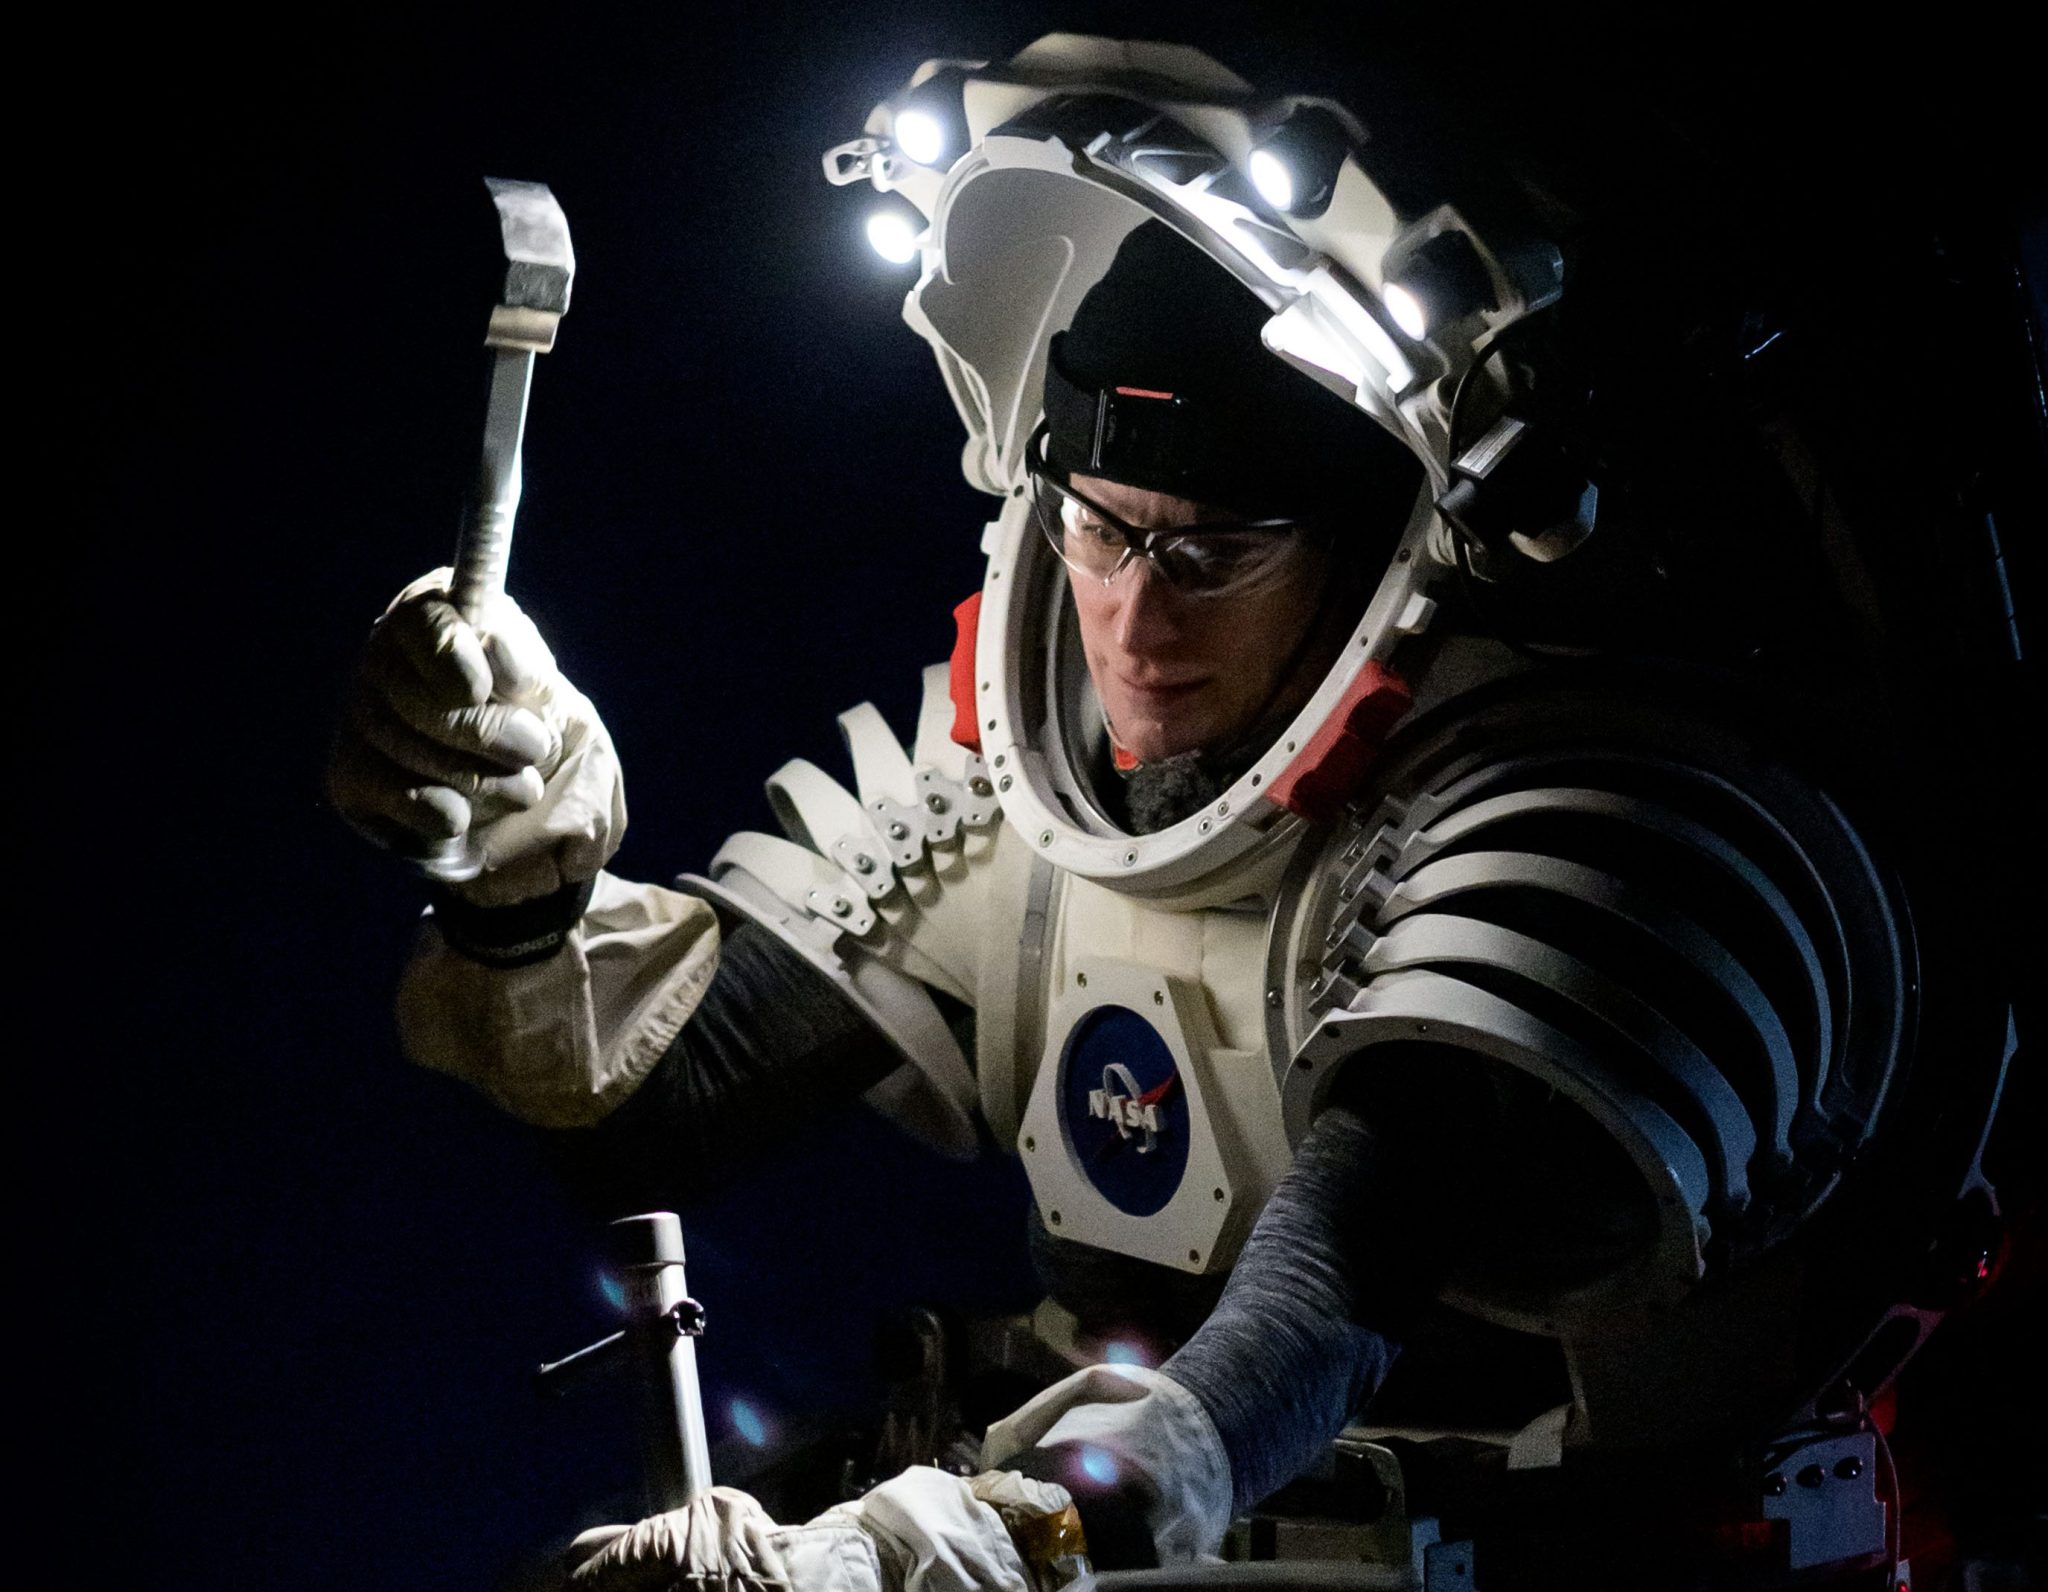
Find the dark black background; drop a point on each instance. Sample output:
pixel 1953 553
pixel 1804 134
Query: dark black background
pixel 309 1279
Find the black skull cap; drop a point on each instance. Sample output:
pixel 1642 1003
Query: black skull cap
pixel 1162 382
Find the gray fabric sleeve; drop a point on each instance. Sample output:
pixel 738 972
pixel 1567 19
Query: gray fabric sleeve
pixel 1311 1320
pixel 770 1048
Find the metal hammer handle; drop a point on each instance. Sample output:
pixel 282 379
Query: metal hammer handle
pixel 483 552
pixel 483 549
pixel 540 266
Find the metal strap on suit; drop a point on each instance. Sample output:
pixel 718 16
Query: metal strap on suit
pixel 801 878
pixel 815 810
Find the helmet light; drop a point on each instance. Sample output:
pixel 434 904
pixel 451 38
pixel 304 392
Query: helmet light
pixel 1295 168
pixel 1271 177
pixel 920 136
pixel 1407 311
pixel 1443 281
pixel 893 236
pixel 929 122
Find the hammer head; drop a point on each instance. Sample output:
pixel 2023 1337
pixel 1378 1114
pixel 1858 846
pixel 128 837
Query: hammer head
pixel 539 265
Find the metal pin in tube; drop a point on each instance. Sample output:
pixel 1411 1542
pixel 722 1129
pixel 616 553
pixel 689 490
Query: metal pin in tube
pixel 647 1256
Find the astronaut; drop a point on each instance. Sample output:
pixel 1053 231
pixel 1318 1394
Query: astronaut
pixel 1318 930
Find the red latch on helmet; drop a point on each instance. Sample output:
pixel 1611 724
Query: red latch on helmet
pixel 960 677
pixel 1327 770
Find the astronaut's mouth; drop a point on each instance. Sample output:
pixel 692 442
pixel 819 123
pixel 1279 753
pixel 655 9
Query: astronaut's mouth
pixel 1163 690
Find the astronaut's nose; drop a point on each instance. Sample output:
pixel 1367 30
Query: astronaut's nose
pixel 1148 614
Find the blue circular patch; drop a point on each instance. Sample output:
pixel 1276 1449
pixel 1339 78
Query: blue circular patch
pixel 1125 1109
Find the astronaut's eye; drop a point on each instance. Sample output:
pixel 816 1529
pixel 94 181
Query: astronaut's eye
pixel 1090 543
pixel 1086 527
pixel 1085 539
pixel 1223 560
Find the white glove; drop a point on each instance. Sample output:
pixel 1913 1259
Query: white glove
pixel 722 1542
pixel 453 731
pixel 937 1532
pixel 923 1531
pixel 1156 1434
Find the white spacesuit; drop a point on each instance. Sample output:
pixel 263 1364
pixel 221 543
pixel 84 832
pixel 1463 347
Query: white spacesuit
pixel 1641 930
pixel 978 862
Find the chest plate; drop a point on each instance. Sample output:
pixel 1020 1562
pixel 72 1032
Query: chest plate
pixel 1153 1123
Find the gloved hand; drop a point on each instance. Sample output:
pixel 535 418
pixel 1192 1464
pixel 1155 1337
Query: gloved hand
pixel 722 1542
pixel 996 1532
pixel 923 1531
pixel 452 731
pixel 1140 1435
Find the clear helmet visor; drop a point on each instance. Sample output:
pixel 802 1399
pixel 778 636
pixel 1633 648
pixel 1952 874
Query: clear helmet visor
pixel 1022 244
pixel 1177 649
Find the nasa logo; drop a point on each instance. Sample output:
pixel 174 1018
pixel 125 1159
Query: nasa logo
pixel 1121 1102
pixel 1124 1107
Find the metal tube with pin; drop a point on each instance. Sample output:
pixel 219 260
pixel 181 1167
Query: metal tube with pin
pixel 647 1254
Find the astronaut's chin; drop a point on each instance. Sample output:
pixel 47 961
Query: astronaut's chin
pixel 1158 722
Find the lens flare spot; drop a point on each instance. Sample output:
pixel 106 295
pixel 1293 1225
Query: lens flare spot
pixel 1098 1466
pixel 747 1421
pixel 613 1290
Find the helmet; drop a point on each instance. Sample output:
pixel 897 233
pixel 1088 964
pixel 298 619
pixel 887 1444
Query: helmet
pixel 1040 199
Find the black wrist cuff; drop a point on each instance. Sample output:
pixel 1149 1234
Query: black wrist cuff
pixel 1112 1513
pixel 515 936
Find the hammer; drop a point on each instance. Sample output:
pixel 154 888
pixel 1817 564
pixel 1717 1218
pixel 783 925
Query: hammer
pixel 539 265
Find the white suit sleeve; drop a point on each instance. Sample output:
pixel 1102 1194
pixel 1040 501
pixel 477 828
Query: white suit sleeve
pixel 561 1043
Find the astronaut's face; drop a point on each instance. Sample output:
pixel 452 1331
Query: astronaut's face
pixel 1177 671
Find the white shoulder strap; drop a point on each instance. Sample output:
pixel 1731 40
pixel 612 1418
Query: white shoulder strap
pixel 933 1095
pixel 881 771
pixel 815 810
pixel 802 879
pixel 934 746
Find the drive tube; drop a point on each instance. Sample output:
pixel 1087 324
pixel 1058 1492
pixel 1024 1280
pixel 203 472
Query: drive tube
pixel 647 1255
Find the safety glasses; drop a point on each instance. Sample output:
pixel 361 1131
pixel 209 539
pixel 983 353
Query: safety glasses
pixel 1214 559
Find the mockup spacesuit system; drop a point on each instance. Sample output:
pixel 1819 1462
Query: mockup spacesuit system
pixel 1310 861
